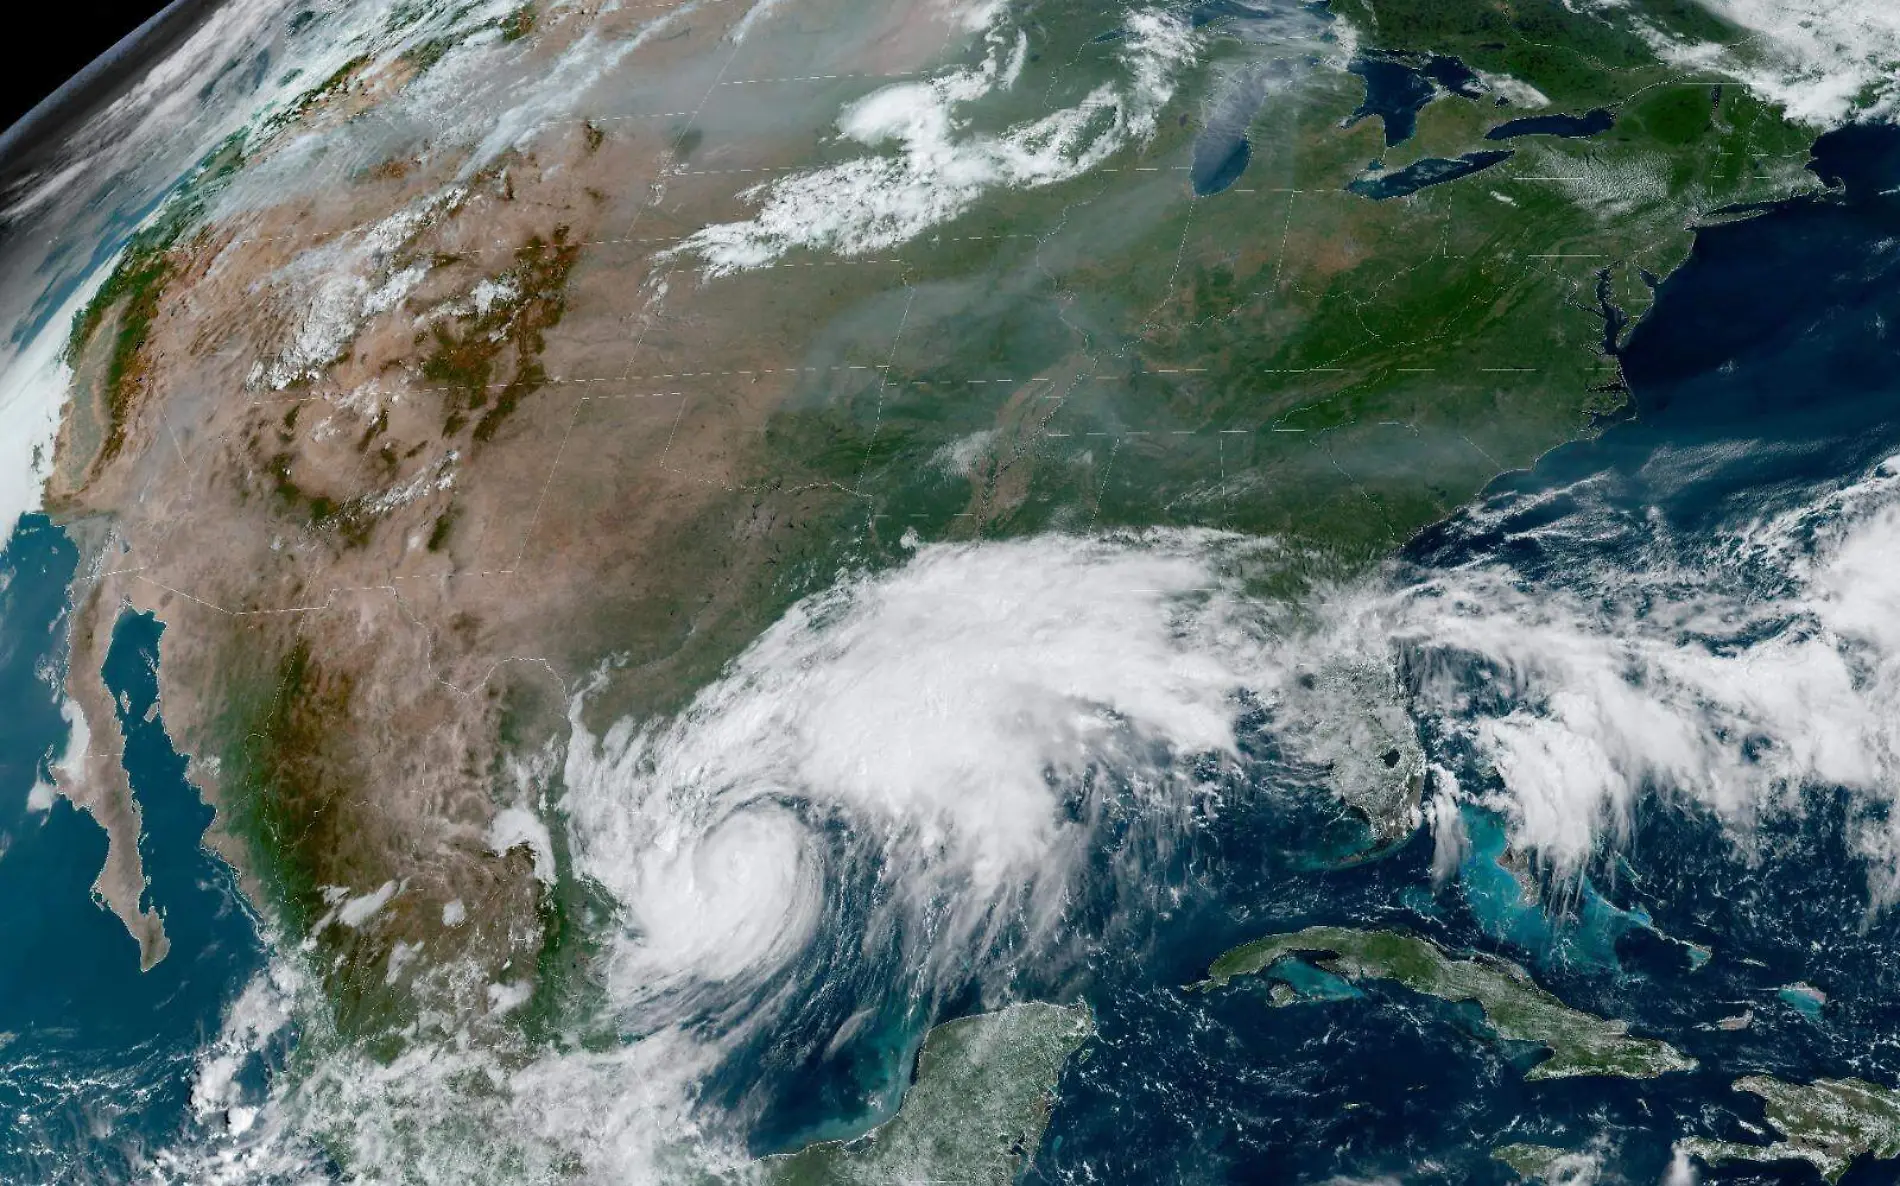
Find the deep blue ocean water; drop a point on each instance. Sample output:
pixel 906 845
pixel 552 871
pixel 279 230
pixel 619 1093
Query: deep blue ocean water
pixel 1768 359
pixel 1768 350
pixel 96 1061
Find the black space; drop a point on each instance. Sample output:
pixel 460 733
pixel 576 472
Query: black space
pixel 59 40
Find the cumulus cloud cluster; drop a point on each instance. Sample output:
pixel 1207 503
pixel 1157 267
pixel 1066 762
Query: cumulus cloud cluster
pixel 931 164
pixel 338 286
pixel 941 727
pixel 1729 677
pixel 1824 61
pixel 940 713
pixel 932 727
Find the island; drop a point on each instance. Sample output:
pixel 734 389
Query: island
pixel 976 1112
pixel 1545 1163
pixel 385 460
pixel 1514 1006
pixel 1827 1123
pixel 448 443
pixel 1804 999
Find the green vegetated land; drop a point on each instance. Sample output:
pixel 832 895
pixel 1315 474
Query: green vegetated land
pixel 111 371
pixel 1514 1006
pixel 468 355
pixel 1827 1123
pixel 1284 358
pixel 1287 357
pixel 975 1113
pixel 1544 1163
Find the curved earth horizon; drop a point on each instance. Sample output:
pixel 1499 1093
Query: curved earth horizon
pixel 1006 591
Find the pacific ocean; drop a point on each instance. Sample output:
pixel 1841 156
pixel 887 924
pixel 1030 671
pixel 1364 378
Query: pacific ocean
pixel 96 1058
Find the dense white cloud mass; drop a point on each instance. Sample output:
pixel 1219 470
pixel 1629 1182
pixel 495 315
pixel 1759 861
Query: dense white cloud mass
pixel 1677 675
pixel 1823 60
pixel 949 729
pixel 942 712
pixel 952 728
pixel 932 165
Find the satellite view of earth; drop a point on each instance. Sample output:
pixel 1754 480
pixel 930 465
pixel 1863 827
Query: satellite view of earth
pixel 1082 592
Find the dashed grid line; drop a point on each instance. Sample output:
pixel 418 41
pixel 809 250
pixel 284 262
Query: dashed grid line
pixel 503 244
pixel 882 368
pixel 1116 437
pixel 672 156
pixel 737 171
pixel 883 383
pixel 593 120
pixel 885 379
pixel 820 78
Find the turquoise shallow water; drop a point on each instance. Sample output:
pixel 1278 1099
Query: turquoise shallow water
pixel 97 1058
pixel 1764 383
pixel 1506 904
pixel 1361 1082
